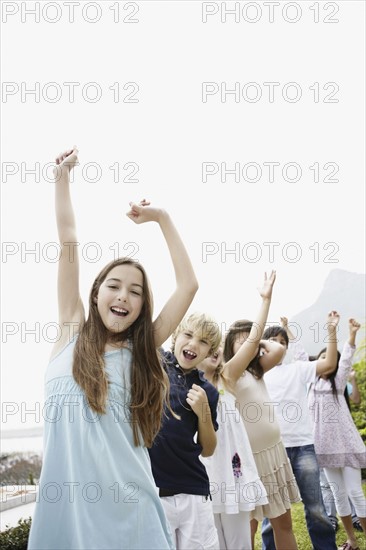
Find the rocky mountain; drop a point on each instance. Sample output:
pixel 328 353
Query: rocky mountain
pixel 343 291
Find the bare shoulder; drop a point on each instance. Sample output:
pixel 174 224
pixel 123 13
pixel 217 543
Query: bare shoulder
pixel 68 333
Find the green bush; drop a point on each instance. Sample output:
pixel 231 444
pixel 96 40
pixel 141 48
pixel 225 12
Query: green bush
pixel 16 538
pixel 358 411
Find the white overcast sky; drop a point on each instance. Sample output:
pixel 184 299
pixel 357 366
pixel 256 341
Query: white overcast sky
pixel 296 70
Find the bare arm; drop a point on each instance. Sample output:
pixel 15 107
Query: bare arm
pixel 328 364
pixel 248 350
pixel 355 396
pixel 207 437
pixel 197 399
pixel 284 324
pixel 186 282
pixel 353 327
pixel 70 307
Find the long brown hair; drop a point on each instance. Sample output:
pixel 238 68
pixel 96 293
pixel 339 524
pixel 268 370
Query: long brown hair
pixel 149 382
pixel 240 327
pixel 331 378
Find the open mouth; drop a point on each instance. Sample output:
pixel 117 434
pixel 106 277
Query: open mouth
pixel 119 311
pixel 189 355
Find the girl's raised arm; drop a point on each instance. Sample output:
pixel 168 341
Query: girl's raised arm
pixel 186 282
pixel 328 364
pixel 71 310
pixel 235 367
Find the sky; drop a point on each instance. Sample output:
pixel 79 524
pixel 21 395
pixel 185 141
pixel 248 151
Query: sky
pixel 244 120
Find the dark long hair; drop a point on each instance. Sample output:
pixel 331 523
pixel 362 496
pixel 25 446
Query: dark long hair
pixel 149 382
pixel 240 327
pixel 331 377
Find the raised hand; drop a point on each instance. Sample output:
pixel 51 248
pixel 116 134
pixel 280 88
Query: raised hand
pixel 333 319
pixel 266 290
pixel 66 161
pixel 143 212
pixel 284 322
pixel 353 326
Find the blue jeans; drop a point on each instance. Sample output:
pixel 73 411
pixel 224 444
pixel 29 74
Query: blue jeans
pixel 306 471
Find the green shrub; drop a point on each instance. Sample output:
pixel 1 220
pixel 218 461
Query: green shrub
pixel 358 411
pixel 16 538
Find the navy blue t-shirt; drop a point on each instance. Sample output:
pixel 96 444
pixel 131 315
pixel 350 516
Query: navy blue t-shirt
pixel 175 453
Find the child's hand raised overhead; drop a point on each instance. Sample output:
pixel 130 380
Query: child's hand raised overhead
pixel 333 319
pixel 284 322
pixel 353 326
pixel 266 290
pixel 143 212
pixel 68 159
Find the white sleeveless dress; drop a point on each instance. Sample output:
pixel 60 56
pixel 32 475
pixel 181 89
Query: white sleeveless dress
pixel 234 481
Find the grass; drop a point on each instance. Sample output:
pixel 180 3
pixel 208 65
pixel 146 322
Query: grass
pixel 301 533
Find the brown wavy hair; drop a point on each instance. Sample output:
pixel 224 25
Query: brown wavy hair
pixel 149 382
pixel 240 327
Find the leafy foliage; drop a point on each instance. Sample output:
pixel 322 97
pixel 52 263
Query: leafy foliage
pixel 358 411
pixel 16 538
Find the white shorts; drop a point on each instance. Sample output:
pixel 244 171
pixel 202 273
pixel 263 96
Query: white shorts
pixel 192 522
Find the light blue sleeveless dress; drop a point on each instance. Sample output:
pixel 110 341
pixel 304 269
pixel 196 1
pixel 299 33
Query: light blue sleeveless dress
pixel 96 489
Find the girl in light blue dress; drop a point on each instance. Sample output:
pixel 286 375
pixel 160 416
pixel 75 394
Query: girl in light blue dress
pixel 105 393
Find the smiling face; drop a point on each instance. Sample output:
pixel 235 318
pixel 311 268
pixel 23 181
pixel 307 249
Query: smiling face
pixel 191 348
pixel 212 361
pixel 212 364
pixel 120 297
